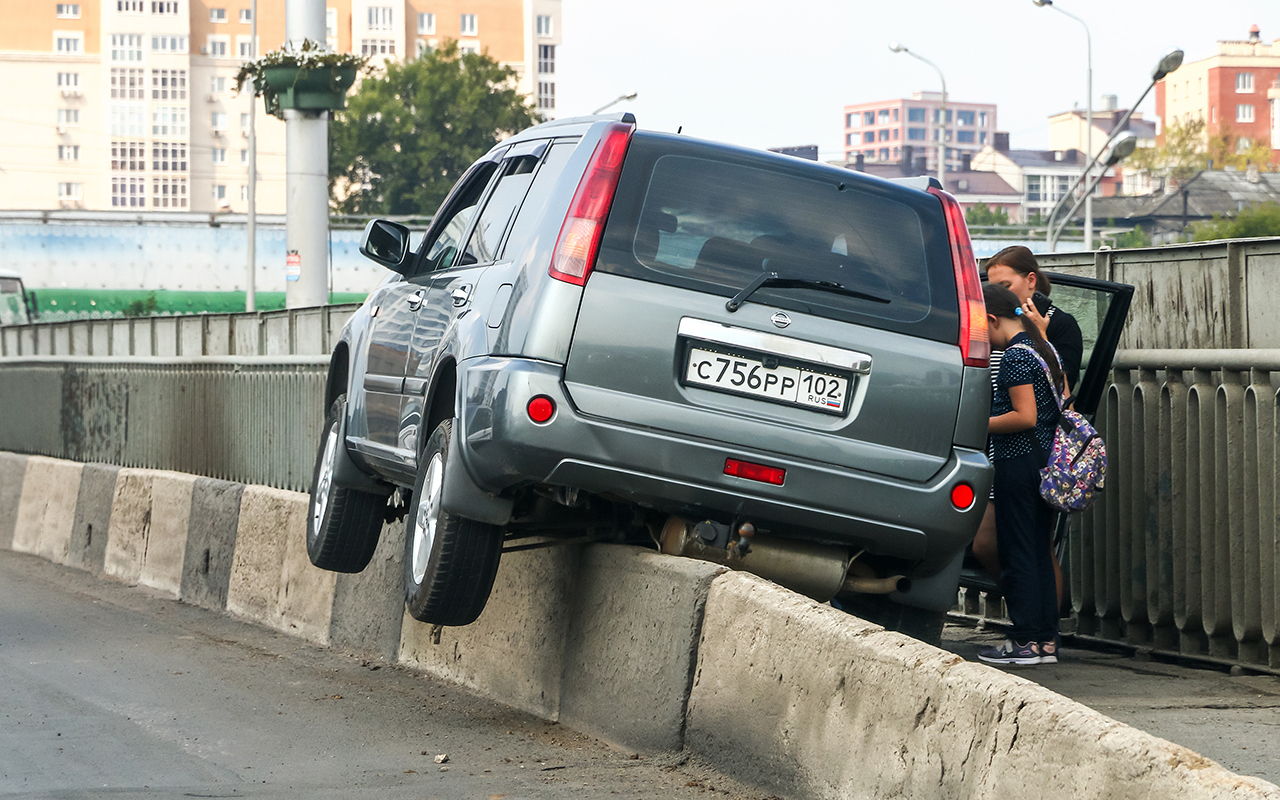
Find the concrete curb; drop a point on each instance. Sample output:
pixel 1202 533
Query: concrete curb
pixel 47 508
pixel 368 607
pixel 13 474
pixel 211 542
pixel 88 548
pixel 147 537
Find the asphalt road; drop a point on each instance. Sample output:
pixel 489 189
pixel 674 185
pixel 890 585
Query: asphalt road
pixel 111 691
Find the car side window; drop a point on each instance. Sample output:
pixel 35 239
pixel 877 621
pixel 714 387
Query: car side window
pixel 530 213
pixel 442 252
pixel 517 174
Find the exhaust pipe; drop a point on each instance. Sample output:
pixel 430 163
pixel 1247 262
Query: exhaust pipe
pixel 862 579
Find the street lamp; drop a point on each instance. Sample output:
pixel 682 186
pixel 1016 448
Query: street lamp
pixel 942 113
pixel 1170 61
pixel 1088 113
pixel 1122 148
pixel 614 101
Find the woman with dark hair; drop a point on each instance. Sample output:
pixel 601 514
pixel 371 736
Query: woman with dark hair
pixel 1016 269
pixel 1024 413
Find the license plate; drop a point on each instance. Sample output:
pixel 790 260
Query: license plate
pixel 782 384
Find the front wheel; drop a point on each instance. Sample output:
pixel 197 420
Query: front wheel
pixel 343 524
pixel 449 561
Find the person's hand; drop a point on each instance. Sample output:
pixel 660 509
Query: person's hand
pixel 1030 311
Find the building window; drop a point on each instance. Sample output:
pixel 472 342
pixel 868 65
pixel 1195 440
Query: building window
pixel 851 120
pixel 168 157
pixel 917 115
pixel 546 95
pixel 68 43
pixel 916 134
pixel 68 80
pixel 244 124
pixel 468 49
pixel 966 137
pixel 128 192
pixel 128 6
pixel 376 47
pixel 244 193
pixel 218 46
pixel 128 156
pixel 1244 82
pixel 1244 113
pixel 937 115
pixel 68 118
pixel 128 83
pixel 884 134
pixel 982 137
pixel 169 192
pixel 126 47
pixel 244 47
pixel 217 15
pixel 68 10
pixel 219 154
pixel 468 25
pixel 850 139
pixel 427 24
pixel 884 154
pixel 331 23
pixel 217 85
pixel 544 25
pixel 244 156
pixel 68 152
pixel 379 18
pixel 547 59
pixel 169 121
pixel 166 8
pixel 895 115
pixel 896 156
pixel 868 136
pixel 128 120
pixel 868 118
pixel 982 119
pixel 70 191
pixel 965 117
pixel 218 121
pixel 170 43
pixel 895 134
pixel 219 191
pixel 884 116
pixel 246 16
pixel 169 84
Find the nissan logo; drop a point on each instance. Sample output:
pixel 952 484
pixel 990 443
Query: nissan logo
pixel 781 320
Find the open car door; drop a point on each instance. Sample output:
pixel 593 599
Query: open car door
pixel 1100 308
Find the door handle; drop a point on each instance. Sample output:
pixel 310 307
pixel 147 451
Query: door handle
pixel 461 295
pixel 415 300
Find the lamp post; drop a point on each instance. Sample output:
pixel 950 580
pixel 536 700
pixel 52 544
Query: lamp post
pixel 250 289
pixel 1088 114
pixel 1169 62
pixel 615 101
pixel 942 112
pixel 1124 146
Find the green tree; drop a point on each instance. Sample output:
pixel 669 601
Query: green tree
pixel 408 135
pixel 1134 238
pixel 1262 219
pixel 1223 149
pixel 981 215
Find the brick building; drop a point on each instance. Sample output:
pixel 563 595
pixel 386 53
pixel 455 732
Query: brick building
pixel 878 131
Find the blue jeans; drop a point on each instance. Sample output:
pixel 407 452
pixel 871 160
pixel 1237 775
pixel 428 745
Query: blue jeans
pixel 1023 523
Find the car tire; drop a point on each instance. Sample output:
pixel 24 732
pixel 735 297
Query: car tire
pixel 449 561
pixel 919 623
pixel 343 524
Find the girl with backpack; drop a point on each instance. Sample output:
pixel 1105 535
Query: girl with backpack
pixel 1024 415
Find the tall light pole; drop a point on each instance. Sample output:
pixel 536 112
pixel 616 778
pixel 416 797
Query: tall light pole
pixel 615 101
pixel 306 176
pixel 942 113
pixel 250 289
pixel 1088 116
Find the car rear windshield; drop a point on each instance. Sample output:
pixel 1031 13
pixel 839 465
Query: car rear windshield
pixel 713 218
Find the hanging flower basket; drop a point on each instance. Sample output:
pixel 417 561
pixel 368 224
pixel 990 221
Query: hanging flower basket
pixel 308 78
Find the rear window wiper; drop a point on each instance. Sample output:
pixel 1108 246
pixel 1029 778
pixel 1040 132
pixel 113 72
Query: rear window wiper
pixel 774 279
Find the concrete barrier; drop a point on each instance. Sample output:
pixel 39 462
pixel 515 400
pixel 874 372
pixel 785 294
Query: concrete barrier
pixel 88 547
pixel 47 508
pixel 368 606
pixel 272 580
pixel 211 542
pixel 147 538
pixel 806 699
pixel 13 473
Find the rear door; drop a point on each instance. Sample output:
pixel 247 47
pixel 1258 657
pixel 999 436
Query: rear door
pixel 1100 308
pixel 858 368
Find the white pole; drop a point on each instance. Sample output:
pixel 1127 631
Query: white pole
pixel 1088 121
pixel 250 289
pixel 306 177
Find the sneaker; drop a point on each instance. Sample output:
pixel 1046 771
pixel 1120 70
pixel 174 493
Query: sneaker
pixel 1020 655
pixel 1049 651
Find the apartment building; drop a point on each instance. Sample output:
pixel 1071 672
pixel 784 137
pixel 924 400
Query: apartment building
pixel 1236 89
pixel 131 105
pixel 878 131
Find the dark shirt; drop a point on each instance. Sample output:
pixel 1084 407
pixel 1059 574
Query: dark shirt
pixel 1064 334
pixel 1018 368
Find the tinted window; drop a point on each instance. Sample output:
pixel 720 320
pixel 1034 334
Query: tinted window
pixel 442 251
pixel 713 219
pixel 517 174
pixel 535 201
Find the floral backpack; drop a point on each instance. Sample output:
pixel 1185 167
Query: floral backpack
pixel 1077 467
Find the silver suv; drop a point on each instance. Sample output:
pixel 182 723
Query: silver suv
pixel 614 334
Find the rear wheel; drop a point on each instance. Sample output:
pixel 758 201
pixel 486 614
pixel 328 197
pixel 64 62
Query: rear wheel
pixel 343 524
pixel 449 561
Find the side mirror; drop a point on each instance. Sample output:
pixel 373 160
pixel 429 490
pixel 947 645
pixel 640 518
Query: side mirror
pixel 386 243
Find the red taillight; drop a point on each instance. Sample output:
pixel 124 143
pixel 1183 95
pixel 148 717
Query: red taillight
pixel 579 240
pixel 975 348
pixel 962 496
pixel 541 408
pixel 754 472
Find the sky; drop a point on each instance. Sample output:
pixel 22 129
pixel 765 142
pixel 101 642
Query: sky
pixel 763 73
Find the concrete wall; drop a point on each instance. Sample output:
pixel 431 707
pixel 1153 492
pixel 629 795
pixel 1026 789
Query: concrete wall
pixel 653 653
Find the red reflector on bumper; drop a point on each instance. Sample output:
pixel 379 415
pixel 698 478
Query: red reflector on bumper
pixel 541 408
pixel 962 496
pixel 754 472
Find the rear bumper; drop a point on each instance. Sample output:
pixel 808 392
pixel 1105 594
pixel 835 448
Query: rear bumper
pixel 502 447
